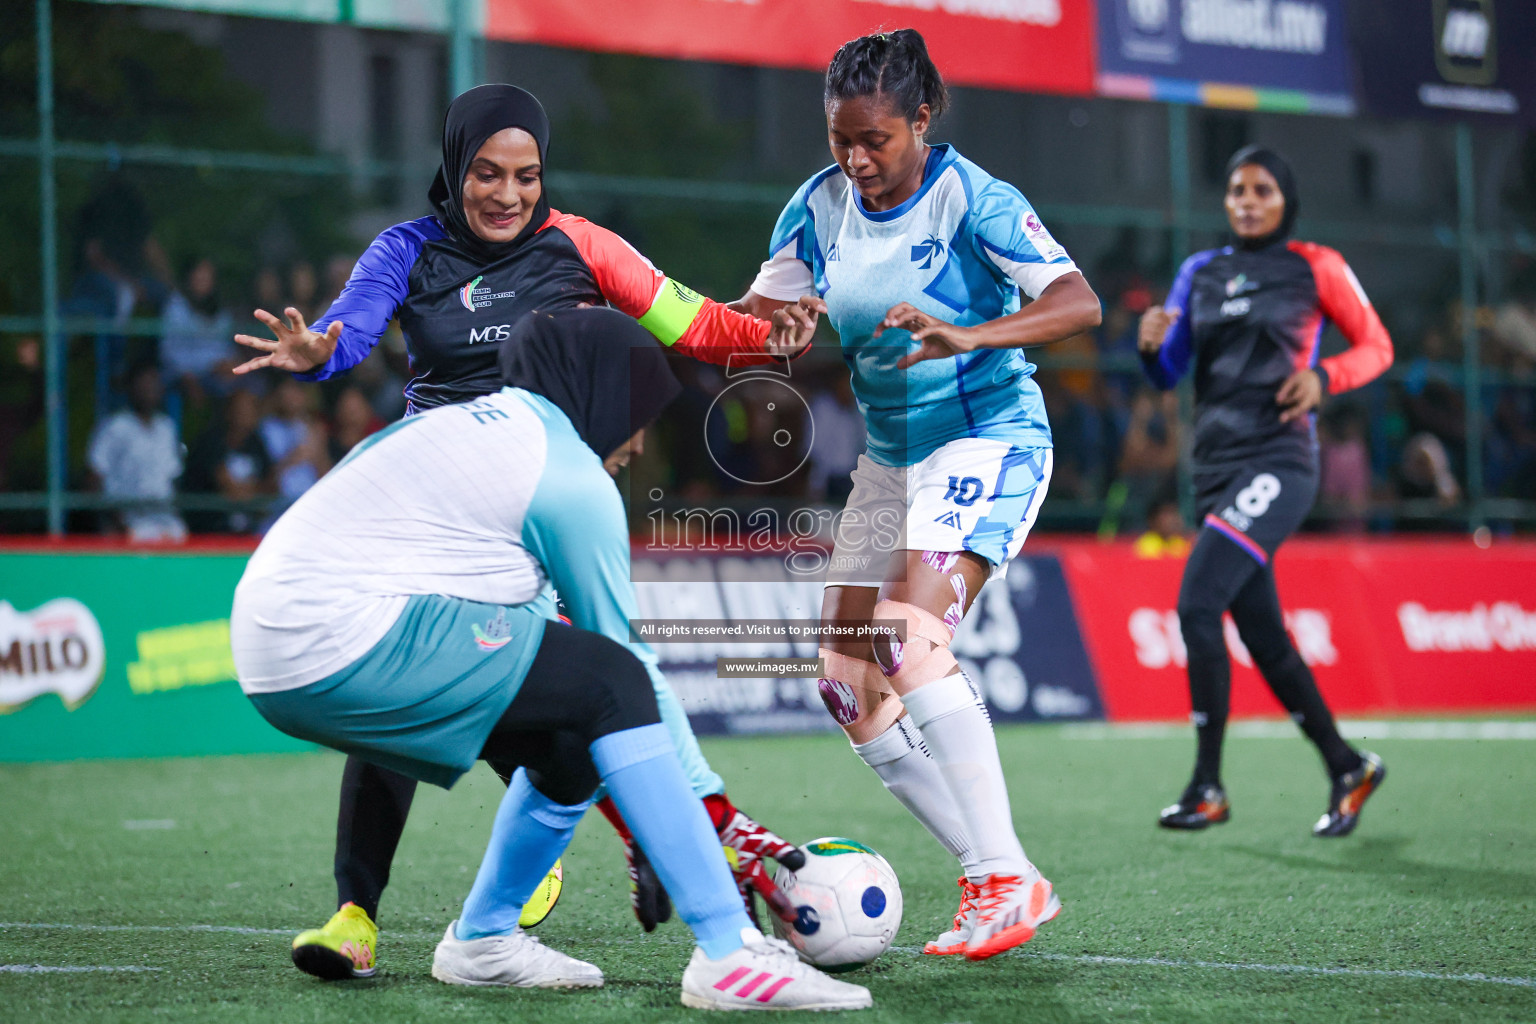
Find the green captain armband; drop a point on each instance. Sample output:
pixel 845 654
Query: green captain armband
pixel 673 312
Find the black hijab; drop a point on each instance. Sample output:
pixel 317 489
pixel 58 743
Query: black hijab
pixel 471 119
pixel 1275 164
pixel 600 367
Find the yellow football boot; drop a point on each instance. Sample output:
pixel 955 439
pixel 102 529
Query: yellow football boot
pixel 544 898
pixel 344 948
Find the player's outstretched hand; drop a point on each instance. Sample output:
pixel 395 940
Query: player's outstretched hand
pixel 1300 394
pixel 1154 328
pixel 746 844
pixel 940 339
pixel 296 349
pixel 794 326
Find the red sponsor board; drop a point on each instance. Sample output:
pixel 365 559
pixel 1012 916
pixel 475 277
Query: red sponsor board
pixel 1388 627
pixel 1029 45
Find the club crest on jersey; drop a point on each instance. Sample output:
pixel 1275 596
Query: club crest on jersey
pixel 473 297
pixel 1049 249
pixel 496 634
pixel 926 250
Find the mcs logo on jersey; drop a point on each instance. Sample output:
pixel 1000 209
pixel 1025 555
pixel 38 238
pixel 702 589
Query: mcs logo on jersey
pixel 55 648
pixel 494 333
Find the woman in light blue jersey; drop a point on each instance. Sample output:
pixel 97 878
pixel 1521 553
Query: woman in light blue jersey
pixel 920 256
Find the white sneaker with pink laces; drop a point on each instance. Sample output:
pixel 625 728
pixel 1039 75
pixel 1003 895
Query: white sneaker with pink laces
pixel 765 974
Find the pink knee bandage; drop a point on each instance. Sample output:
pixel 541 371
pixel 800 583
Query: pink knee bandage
pixel 920 659
pixel 857 696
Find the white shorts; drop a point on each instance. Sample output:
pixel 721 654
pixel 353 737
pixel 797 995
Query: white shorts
pixel 974 494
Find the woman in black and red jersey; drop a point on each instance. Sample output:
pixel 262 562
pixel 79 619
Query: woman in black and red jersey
pixel 492 252
pixel 1250 316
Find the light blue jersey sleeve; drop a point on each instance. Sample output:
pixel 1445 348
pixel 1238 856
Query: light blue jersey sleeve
pixel 794 255
pixel 1009 236
pixel 576 529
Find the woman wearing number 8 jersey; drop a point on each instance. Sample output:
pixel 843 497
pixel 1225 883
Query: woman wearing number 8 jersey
pixel 1250 317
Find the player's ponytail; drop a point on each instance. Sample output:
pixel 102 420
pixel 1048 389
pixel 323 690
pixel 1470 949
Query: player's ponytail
pixel 895 65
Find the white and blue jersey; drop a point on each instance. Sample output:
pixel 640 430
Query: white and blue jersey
pixel 960 249
pixel 408 578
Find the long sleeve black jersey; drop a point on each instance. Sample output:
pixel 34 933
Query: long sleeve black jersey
pixel 455 312
pixel 1250 319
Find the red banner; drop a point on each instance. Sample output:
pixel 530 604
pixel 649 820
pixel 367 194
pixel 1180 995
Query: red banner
pixel 1028 45
pixel 1387 627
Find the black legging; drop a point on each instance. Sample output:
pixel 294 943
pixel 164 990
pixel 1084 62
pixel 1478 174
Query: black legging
pixel 580 686
pixel 1220 576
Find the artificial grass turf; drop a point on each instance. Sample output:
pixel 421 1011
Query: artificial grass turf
pixel 1251 921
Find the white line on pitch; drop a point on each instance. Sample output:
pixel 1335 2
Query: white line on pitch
pixel 231 929
pixel 1109 961
pixel 47 969
pixel 1352 729
pixel 1127 961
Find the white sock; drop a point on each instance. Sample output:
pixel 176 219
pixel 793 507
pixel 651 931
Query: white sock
pixel 959 737
pixel 902 762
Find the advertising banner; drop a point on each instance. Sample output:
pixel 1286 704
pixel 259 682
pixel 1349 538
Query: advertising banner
pixel 127 654
pixel 1387 627
pixel 1020 644
pixel 1253 54
pixel 122 655
pixel 1447 58
pixel 1029 45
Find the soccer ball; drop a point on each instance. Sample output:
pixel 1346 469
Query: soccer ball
pixel 849 903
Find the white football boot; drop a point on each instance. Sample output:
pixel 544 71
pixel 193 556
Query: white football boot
pixel 518 960
pixel 765 974
pixel 1012 908
pixel 954 940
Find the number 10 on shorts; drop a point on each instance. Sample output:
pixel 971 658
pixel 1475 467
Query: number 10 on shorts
pixel 963 491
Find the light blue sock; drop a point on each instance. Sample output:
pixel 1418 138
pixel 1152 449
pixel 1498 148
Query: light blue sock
pixel 530 833
pixel 646 781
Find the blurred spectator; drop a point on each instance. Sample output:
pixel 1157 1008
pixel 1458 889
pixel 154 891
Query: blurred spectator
pixel 304 290
pixel 21 397
pixel 267 290
pixel 1510 444
pixel 1165 536
pixel 231 459
pixel 295 439
pixel 337 270
pixel 1082 420
pixel 1149 453
pixel 195 344
pixel 838 440
pixel 1425 471
pixel 1432 402
pixel 120 273
pixel 1514 323
pixel 1344 487
pixel 352 420
pixel 136 457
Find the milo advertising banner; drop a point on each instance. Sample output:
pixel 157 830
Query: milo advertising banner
pixel 122 655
